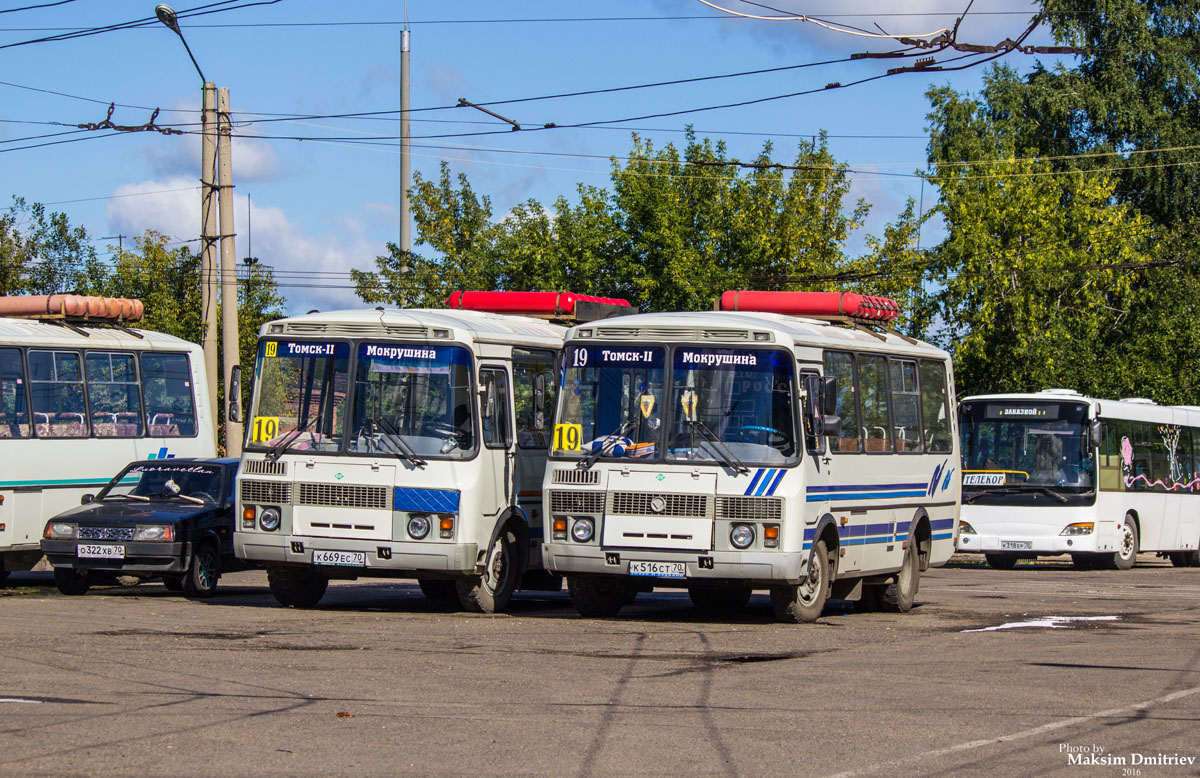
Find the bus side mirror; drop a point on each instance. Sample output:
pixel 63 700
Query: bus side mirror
pixel 539 402
pixel 1097 431
pixel 233 394
pixel 487 390
pixel 831 423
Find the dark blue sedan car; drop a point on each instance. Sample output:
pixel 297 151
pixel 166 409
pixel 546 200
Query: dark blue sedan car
pixel 161 517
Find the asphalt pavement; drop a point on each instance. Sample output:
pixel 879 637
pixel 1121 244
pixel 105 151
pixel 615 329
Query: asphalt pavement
pixel 1041 670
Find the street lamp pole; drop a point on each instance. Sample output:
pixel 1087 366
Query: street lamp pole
pixel 210 163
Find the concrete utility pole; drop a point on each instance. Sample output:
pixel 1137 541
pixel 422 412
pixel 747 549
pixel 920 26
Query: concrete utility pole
pixel 229 290
pixel 405 156
pixel 208 239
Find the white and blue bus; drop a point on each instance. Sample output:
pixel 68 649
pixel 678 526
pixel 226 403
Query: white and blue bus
pixel 1056 472
pixel 729 451
pixel 78 401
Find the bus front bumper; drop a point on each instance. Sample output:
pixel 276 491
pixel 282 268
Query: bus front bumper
pixel 763 567
pixel 366 556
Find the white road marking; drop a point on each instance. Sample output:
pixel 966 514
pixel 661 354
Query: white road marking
pixel 1046 622
pixel 1028 733
pixel 21 699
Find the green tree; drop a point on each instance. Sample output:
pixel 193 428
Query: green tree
pixel 41 253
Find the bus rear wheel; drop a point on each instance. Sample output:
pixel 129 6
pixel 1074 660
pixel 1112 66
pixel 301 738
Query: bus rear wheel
pixel 900 594
pixel 296 587
pixel 1001 561
pixel 1184 558
pixel 804 601
pixel 597 596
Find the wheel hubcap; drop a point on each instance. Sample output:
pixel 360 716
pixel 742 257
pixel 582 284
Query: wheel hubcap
pixel 495 569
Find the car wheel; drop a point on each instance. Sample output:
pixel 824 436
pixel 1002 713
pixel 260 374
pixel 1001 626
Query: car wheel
pixel 71 581
pixel 725 599
pixel 296 587
pixel 200 582
pixel 1001 561
pixel 490 592
pixel 804 601
pixel 597 596
pixel 900 594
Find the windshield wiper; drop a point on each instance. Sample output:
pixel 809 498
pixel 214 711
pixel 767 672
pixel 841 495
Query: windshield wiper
pixel 279 448
pixel 402 448
pixel 606 442
pixel 727 457
pixel 187 497
pixel 138 497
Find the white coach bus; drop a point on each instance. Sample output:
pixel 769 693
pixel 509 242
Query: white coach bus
pixel 1059 473
pixel 405 443
pixel 759 446
pixel 80 397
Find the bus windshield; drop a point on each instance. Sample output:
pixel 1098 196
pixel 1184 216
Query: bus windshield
pixel 300 396
pixel 413 400
pixel 731 401
pixel 1017 445
pixel 611 402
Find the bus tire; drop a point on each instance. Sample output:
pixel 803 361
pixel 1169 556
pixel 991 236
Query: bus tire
pixel 1127 546
pixel 296 587
pixel 596 596
pixel 71 582
pixel 1001 561
pixel 723 599
pixel 1184 558
pixel 899 595
pixel 491 592
pixel 803 602
pixel 441 590
pixel 200 580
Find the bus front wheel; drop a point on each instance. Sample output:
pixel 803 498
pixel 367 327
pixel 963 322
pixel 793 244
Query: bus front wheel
pixel 296 587
pixel 900 594
pixel 490 592
pixel 596 596
pixel 804 601
pixel 1127 546
pixel 1001 561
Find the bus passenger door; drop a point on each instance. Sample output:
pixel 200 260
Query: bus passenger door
pixel 822 470
pixel 497 475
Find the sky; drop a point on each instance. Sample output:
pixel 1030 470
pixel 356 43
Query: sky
pixel 318 194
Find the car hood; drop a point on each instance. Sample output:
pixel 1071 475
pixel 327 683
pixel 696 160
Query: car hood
pixel 126 512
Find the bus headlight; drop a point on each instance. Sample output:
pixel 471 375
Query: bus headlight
pixel 583 530
pixel 418 526
pixel 269 519
pixel 1079 528
pixel 965 528
pixel 741 536
pixel 159 533
pixel 60 530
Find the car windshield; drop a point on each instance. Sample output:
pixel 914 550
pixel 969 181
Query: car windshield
pixel 731 401
pixel 610 403
pixel 1015 445
pixel 166 481
pixel 413 400
pixel 299 397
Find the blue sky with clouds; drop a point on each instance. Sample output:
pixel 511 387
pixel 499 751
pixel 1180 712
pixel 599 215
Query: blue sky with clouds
pixel 314 208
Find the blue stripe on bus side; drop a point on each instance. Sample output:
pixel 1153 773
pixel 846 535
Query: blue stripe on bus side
pixel 864 487
pixel 842 497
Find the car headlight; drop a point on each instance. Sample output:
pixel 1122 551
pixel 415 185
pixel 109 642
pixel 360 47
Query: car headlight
pixel 583 530
pixel 60 530
pixel 418 526
pixel 163 533
pixel 741 536
pixel 965 528
pixel 268 520
pixel 1080 528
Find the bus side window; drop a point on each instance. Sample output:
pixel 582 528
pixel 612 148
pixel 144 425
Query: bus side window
pixel 14 408
pixel 935 412
pixel 905 405
pixel 114 395
pixel 170 406
pixel 56 379
pixel 841 366
pixel 873 399
pixel 534 398
pixel 496 432
pixel 812 443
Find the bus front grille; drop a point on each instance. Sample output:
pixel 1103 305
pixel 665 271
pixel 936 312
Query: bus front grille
pixel 266 492
pixel 650 504
pixel 576 502
pixel 750 508
pixel 343 496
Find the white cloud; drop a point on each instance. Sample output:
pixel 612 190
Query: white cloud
pixel 312 270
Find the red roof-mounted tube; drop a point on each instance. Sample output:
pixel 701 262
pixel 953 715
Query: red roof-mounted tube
pixel 855 306
pixel 527 303
pixel 72 306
